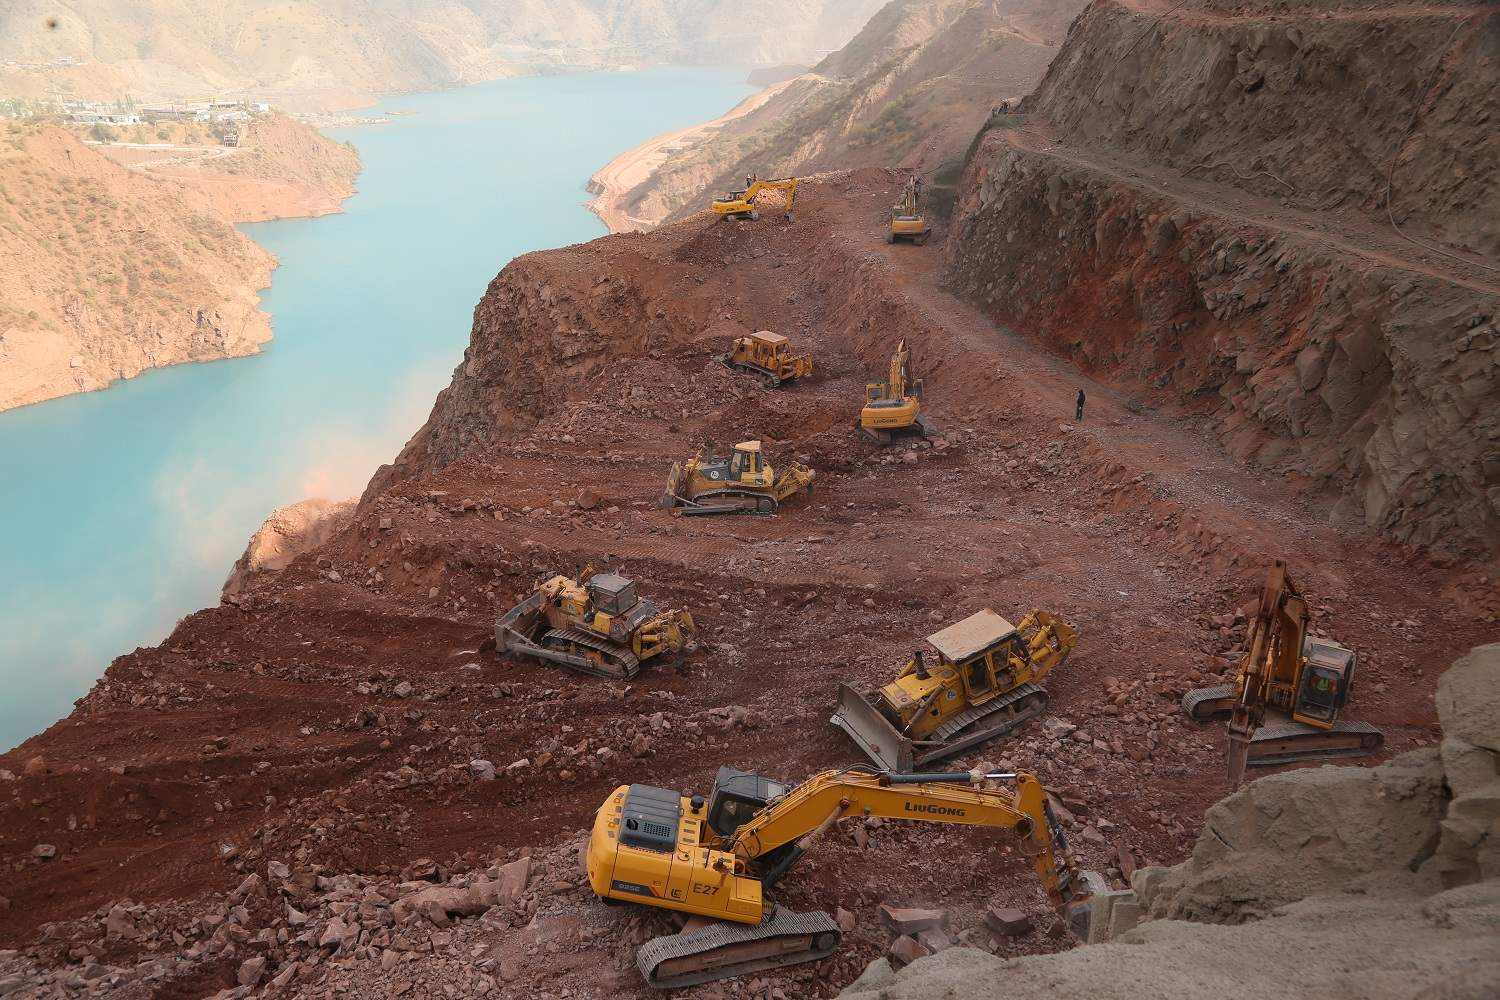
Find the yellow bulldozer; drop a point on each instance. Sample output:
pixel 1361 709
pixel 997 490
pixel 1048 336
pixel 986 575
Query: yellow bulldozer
pixel 907 221
pixel 769 355
pixel 894 407
pixel 1285 702
pixel 741 204
pixel 745 483
pixel 985 683
pixel 595 624
pixel 714 858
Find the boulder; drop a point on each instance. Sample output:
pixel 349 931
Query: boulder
pixel 1468 704
pixel 1007 921
pixel 289 532
pixel 909 920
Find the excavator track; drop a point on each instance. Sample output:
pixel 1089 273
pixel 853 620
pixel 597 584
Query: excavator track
pixel 730 502
pixel 967 729
pixel 724 949
pixel 619 663
pixel 1293 742
pixel 1202 704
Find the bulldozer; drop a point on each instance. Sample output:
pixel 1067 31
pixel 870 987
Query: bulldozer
pixel 907 221
pixel 741 204
pixel 743 484
pixel 985 683
pixel 713 859
pixel 770 356
pixel 894 407
pixel 1285 702
pixel 595 624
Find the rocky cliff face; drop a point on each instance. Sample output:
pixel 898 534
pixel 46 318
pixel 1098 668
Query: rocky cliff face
pixel 1185 205
pixel 910 89
pixel 343 53
pixel 1383 880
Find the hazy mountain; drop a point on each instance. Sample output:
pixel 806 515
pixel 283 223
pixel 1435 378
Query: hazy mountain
pixel 340 52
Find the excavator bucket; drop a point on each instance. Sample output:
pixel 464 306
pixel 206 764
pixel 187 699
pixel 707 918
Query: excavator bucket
pixel 873 733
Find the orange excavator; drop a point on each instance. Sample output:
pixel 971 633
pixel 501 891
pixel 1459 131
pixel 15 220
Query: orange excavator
pixel 1285 702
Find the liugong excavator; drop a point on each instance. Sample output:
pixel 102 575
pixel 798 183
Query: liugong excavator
pixel 741 204
pixel 715 858
pixel 1299 683
pixel 894 407
pixel 907 221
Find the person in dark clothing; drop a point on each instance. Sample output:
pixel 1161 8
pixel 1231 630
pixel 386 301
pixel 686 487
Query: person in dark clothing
pixel 1081 398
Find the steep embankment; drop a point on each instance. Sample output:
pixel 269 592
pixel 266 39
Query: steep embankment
pixel 1378 883
pixel 912 88
pixel 342 53
pixel 122 258
pixel 1187 206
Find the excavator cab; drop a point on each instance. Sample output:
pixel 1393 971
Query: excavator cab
pixel 737 796
pixel 1327 676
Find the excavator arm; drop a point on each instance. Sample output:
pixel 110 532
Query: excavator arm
pixel 785 828
pixel 1271 664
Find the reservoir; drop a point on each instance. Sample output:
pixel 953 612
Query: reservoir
pixel 123 510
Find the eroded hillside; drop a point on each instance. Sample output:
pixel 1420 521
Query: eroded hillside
pixel 120 258
pixel 1188 206
pixel 911 89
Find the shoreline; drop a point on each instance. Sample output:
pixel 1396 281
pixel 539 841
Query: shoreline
pixel 613 182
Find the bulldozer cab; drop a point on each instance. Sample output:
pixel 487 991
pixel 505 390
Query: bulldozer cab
pixel 612 595
pixel 979 648
pixel 747 464
pixel 1327 674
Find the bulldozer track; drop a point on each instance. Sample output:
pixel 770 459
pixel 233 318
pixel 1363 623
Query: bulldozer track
pixel 708 504
pixel 817 929
pixel 969 716
pixel 629 665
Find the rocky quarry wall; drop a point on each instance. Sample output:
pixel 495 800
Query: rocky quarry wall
pixel 1380 883
pixel 1186 205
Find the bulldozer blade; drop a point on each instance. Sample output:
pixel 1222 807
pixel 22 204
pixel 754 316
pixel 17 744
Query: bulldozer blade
pixel 871 731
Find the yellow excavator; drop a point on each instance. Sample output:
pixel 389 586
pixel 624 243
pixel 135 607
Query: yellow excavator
pixel 745 483
pixel 596 624
pixel 741 204
pixel 1285 702
pixel 894 407
pixel 985 683
pixel 907 221
pixel 715 858
pixel 769 355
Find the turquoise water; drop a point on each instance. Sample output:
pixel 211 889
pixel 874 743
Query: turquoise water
pixel 124 509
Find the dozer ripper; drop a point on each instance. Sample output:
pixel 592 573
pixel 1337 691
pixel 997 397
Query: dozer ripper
pixel 741 204
pixel 1285 702
pixel 770 356
pixel 745 483
pixel 716 858
pixel 893 407
pixel 596 624
pixel 985 683
pixel 907 221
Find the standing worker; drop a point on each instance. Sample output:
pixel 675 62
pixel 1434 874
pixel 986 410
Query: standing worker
pixel 1081 398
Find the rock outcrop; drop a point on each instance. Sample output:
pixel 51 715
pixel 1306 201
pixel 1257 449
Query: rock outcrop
pixel 1185 206
pixel 1311 882
pixel 289 532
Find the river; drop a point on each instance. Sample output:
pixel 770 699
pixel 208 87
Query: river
pixel 123 510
